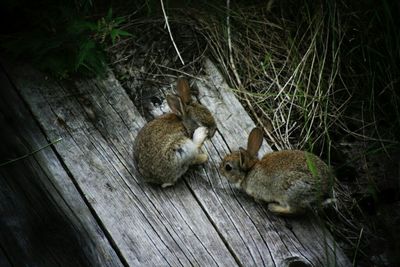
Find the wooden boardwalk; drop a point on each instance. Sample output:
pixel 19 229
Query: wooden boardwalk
pixel 80 201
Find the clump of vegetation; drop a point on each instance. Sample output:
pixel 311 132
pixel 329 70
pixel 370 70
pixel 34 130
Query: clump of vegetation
pixel 285 71
pixel 61 37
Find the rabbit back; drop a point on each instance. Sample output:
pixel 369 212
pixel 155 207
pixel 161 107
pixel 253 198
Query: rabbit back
pixel 159 150
pixel 290 177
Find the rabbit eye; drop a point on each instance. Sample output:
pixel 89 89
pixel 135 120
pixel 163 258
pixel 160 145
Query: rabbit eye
pixel 228 167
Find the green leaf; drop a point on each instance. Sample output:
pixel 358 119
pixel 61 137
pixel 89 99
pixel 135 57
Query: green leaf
pixel 113 35
pixel 311 165
pixel 84 52
pixel 109 14
pixel 124 33
pixel 118 20
pixel 116 33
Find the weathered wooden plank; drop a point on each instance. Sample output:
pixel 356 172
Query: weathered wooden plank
pixel 150 226
pixel 100 142
pixel 254 235
pixel 286 240
pixel 44 220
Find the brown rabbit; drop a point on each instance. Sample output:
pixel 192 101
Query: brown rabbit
pixel 290 181
pixel 166 146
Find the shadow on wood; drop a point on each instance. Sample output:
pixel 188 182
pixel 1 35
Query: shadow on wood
pixel 202 220
pixel 43 221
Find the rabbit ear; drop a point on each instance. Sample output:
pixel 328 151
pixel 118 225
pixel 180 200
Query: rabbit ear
pixel 244 159
pixel 183 89
pixel 254 142
pixel 176 105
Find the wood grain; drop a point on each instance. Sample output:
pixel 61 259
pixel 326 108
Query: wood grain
pixel 255 236
pixel 44 220
pixel 303 239
pixel 148 225
pixel 202 220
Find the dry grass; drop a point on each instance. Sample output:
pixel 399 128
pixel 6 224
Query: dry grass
pixel 286 74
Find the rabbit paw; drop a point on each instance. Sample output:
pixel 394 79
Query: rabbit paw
pixel 200 159
pixel 199 135
pixel 166 185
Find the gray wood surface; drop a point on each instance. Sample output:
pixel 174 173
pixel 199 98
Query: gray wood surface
pixel 201 221
pixel 149 226
pixel 285 239
pixel 44 220
pixel 255 236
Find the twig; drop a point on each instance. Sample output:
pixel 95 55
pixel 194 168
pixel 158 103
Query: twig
pixel 228 3
pixel 30 153
pixel 170 34
pixel 357 247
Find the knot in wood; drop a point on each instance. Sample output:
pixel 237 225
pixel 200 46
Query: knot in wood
pixel 296 262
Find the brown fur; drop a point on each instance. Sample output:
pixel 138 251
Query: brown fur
pixel 183 89
pixel 163 149
pixel 153 148
pixel 200 113
pixel 284 179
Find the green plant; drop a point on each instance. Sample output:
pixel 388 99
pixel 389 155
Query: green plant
pixel 65 38
pixel 90 52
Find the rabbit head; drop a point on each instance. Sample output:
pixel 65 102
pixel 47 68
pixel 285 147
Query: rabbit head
pixel 192 114
pixel 236 165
